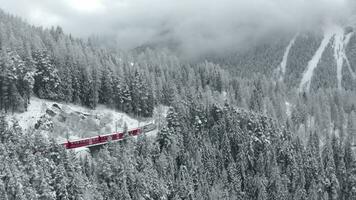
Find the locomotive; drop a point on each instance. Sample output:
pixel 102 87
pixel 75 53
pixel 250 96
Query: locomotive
pixel 101 139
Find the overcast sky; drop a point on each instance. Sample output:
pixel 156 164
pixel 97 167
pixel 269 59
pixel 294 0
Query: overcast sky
pixel 195 23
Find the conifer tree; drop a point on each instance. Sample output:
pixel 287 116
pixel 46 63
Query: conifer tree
pixel 106 90
pixel 46 76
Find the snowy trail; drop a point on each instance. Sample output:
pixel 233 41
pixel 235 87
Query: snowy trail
pixel 340 44
pixel 283 65
pixel 339 53
pixel 313 63
pixel 353 74
pixel 346 42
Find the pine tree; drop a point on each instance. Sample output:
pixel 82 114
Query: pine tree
pixel 256 99
pixel 66 90
pixel 46 191
pixel 76 86
pixel 7 81
pixel 136 89
pixel 46 77
pixel 165 138
pixel 3 193
pixel 332 184
pixel 61 183
pixel 22 89
pixel 94 90
pixel 126 99
pixel 148 102
pixel 85 84
pixel 351 182
pixel 168 94
pixel 28 81
pixel 106 90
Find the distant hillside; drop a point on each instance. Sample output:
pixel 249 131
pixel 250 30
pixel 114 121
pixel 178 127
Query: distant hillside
pixel 310 60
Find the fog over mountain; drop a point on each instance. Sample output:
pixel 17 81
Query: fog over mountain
pixel 197 26
pixel 177 99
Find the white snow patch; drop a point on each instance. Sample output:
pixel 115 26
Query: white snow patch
pixel 353 74
pixel 289 107
pixel 313 63
pixel 102 120
pixel 340 44
pixel 346 42
pixel 283 65
pixel 34 111
pixel 339 51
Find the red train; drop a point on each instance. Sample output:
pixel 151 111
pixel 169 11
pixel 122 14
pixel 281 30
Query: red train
pixel 101 139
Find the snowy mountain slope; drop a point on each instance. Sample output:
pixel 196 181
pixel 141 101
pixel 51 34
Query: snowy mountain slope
pixel 325 74
pixel 353 74
pixel 339 53
pixel 72 121
pixel 283 65
pixel 323 57
pixel 325 69
pixel 313 63
pixel 340 43
pixel 346 42
pixel 303 50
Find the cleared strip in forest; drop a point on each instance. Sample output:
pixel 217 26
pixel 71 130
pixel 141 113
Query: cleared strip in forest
pixel 313 63
pixel 283 65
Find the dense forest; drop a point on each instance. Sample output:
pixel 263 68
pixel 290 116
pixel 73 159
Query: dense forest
pixel 208 152
pixel 232 132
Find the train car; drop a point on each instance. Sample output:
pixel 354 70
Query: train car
pixel 77 144
pixel 102 139
pixel 134 132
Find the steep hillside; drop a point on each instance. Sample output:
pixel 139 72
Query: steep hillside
pixel 271 122
pixel 63 121
pixel 308 60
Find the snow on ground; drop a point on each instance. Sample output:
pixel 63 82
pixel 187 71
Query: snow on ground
pixel 38 107
pixel 353 74
pixel 289 107
pixel 339 53
pixel 346 42
pixel 283 65
pixel 313 63
pixel 340 43
pixel 28 119
pixel 74 122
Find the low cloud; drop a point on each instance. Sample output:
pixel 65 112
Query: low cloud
pixel 196 25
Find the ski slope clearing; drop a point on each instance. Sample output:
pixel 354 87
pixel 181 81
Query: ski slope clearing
pixel 283 65
pixel 346 42
pixel 313 63
pixel 339 53
pixel 340 43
